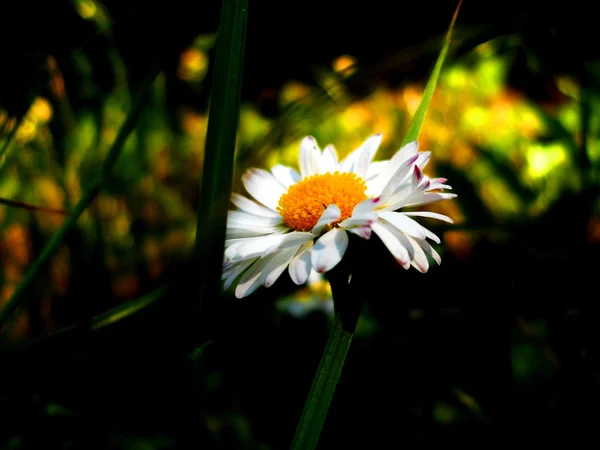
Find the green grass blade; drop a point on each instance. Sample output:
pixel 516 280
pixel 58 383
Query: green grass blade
pixel 98 321
pixel 217 172
pixel 10 138
pixel 348 306
pixel 58 238
pixel 419 117
pixel 323 387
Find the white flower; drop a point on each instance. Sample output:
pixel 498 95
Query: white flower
pixel 302 220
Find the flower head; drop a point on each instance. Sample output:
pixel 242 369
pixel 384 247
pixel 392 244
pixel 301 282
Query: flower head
pixel 301 220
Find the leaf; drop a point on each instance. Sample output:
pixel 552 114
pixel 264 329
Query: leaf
pixel 419 117
pixel 223 119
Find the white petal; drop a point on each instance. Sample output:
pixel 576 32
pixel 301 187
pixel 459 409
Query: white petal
pixel 416 179
pixel 264 245
pixel 436 186
pixel 365 207
pixel 369 148
pixel 423 159
pixel 245 204
pixel 428 197
pixel 430 214
pixel 278 265
pixel 329 159
pixel 398 198
pixel 406 156
pixel 362 231
pixel 331 214
pixel 300 267
pixel 263 186
pixel 253 277
pixel 360 221
pixel 285 175
pixel 429 249
pixel 293 239
pixel 404 223
pixel 329 250
pixel 249 231
pixel 390 240
pixel 233 271
pixel 419 260
pixel 242 218
pixel 375 168
pixel 308 160
pixel 395 182
pixel 358 161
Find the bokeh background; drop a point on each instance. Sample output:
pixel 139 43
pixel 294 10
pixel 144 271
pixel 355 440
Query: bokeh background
pixel 497 346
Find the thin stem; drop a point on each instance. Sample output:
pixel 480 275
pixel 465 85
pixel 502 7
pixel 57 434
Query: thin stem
pixel 30 207
pixel 330 368
pixel 57 240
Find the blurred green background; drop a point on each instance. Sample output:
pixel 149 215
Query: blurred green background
pixel 497 346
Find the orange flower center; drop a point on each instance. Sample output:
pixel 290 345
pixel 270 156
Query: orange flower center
pixel 302 205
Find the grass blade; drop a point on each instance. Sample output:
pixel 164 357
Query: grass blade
pixel 323 387
pixel 419 117
pixel 30 207
pixel 58 238
pixel 348 306
pixel 96 322
pixel 223 118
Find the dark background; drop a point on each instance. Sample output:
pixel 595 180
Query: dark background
pixel 504 343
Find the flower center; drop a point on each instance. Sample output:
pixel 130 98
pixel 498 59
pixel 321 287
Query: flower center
pixel 302 205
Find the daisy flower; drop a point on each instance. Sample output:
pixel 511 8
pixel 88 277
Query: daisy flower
pixel 301 220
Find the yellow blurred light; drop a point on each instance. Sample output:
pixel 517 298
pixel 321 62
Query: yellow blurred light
pixel 121 226
pixel 175 241
pixel 151 249
pixel 12 273
pixel 530 125
pixel 475 117
pixel 86 8
pixel 194 123
pixel 456 77
pixel 193 65
pixel 107 206
pixel 16 242
pixel 412 98
pixel 459 242
pixel 292 92
pixel 51 194
pixel 463 156
pixel 499 198
pixel 355 116
pixel 26 131
pixel 568 86
pixel 485 49
pixel 344 65
pixel 42 110
pixel 542 159
pixel 252 126
pixel 320 287
pixel 490 76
